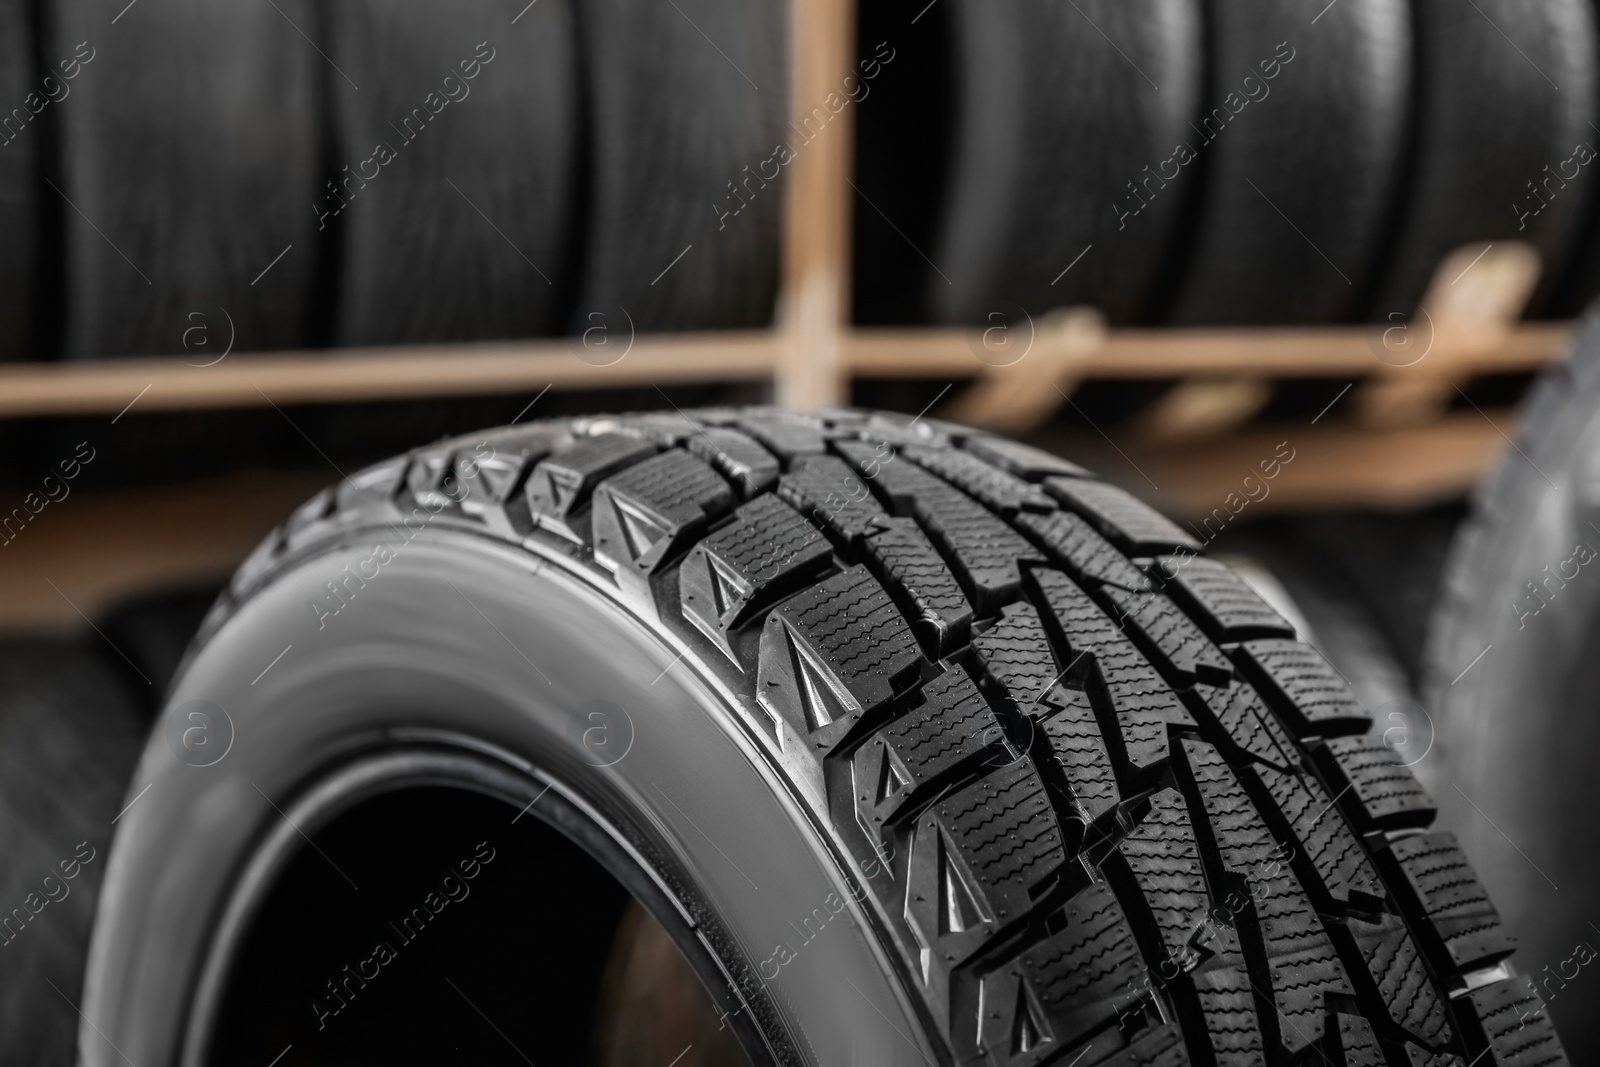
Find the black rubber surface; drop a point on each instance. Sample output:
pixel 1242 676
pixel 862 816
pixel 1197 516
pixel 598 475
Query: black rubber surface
pixel 689 103
pixel 1285 234
pixel 22 146
pixel 1128 817
pixel 190 156
pixel 456 168
pixel 1512 682
pixel 1505 90
pixel 1066 118
pixel 69 737
pixel 902 123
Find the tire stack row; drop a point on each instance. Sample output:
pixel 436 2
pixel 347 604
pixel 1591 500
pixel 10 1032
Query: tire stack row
pixel 299 173
pixel 1234 162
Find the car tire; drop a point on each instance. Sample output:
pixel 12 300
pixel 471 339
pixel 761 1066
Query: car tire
pixel 1073 791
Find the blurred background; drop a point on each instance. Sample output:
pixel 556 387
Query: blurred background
pixel 1286 268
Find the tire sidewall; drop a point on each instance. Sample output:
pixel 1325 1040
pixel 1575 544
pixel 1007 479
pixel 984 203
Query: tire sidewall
pixel 459 636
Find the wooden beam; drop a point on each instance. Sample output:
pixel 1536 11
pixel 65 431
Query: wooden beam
pixel 815 301
pixel 240 380
pixel 1334 465
pixel 1472 304
pixel 1308 352
pixel 1197 408
pixel 1027 377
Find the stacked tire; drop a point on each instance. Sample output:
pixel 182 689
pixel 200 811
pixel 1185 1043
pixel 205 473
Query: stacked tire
pixel 1241 162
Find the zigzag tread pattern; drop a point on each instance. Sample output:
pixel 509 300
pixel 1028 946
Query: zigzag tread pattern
pixel 984 552
pixel 1456 906
pixel 1164 860
pixel 1304 965
pixel 1028 550
pixel 1396 967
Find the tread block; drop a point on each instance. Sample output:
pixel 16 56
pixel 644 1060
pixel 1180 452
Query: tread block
pixel 1512 1022
pixel 561 483
pixel 1171 637
pixel 1304 967
pixel 898 430
pixel 490 469
pixel 375 485
pixel 903 558
pixel 1070 734
pixel 767 551
pixel 1074 545
pixel 1002 834
pixel 1241 713
pixel 258 563
pixel 787 436
pixel 647 513
pixel 1403 984
pixel 1128 522
pixel 1164 860
pixel 1353 1042
pixel 1221 601
pixel 425 478
pixel 318 507
pixel 830 655
pixel 751 468
pixel 983 482
pixel 1465 927
pixel 983 551
pixel 1016 653
pixel 1142 704
pixel 924 749
pixel 1328 842
pixel 1159 1046
pixel 669 429
pixel 1064 988
pixel 1024 461
pixel 1228 1003
pixel 1305 691
pixel 1384 792
pixel 827 491
pixel 1418 1057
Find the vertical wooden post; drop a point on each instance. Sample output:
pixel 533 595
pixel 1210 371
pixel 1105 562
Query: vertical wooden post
pixel 814 302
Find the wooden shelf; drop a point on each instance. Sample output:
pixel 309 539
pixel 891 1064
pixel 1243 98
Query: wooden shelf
pixel 348 375
pixel 1278 353
pixel 1403 447
pixel 257 379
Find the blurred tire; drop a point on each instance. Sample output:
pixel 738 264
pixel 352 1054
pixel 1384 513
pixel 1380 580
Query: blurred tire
pixel 458 162
pixel 1504 90
pixel 1513 681
pixel 1065 117
pixel 688 104
pixel 24 139
pixel 69 738
pixel 1282 237
pixel 191 161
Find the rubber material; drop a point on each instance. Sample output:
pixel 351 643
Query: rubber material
pixel 457 160
pixel 191 160
pixel 902 121
pixel 1526 72
pixel 1283 238
pixel 1124 816
pixel 1512 679
pixel 26 99
pixel 689 102
pixel 1062 110
pixel 69 737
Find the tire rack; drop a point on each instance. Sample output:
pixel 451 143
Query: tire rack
pixel 1403 447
